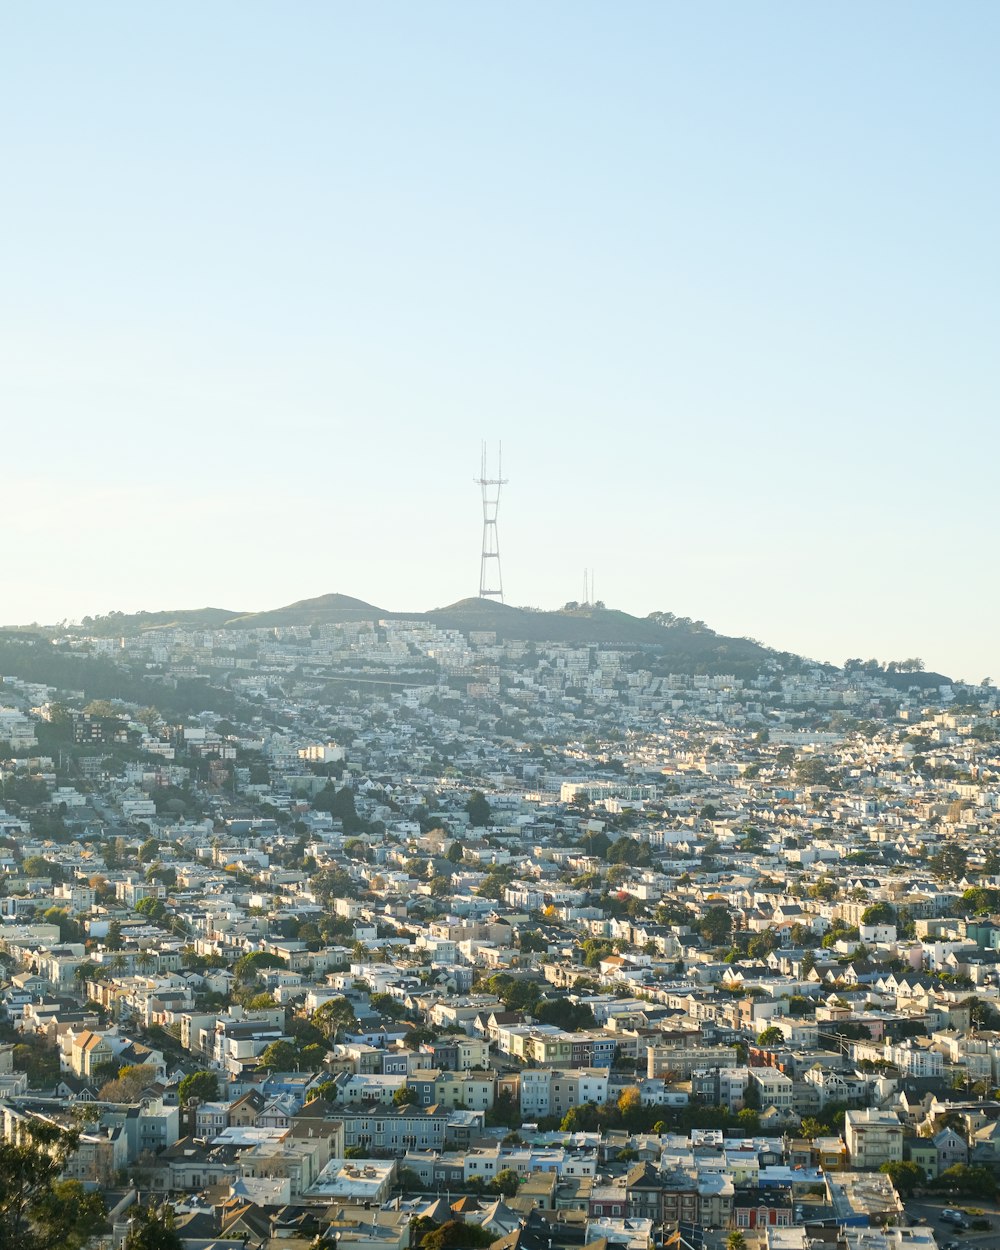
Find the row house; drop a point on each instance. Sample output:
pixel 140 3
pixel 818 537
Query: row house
pixel 457 1053
pixel 394 1130
pixel 594 1050
pixel 544 1091
pixel 471 1090
pixel 720 1087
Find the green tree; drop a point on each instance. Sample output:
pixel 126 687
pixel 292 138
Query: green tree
pixel 87 971
pixel 517 993
pixel 761 944
pixel 281 1055
pixel 950 862
pixel 495 882
pixel 583 1118
pixel 37 866
pixel 505 1112
pixel 629 851
pixel 332 883
pixel 386 1005
pixel 149 850
pixel 715 925
pixel 311 1057
pixel 770 1036
pixel 480 813
pixel 596 843
pixel 812 772
pixel 151 1230
pixel 334 1016
pixel 440 886
pixel 324 1089
pixel 260 1002
pixel 153 909
pixel 340 805
pixel 905 1175
pixel 101 709
pixel 457 1235
pixel 980 900
pixel 247 966
pixel 31 1215
pixel 879 913
pixel 596 949
pixel 163 873
pixel 565 1014
pixel 749 1121
pixel 203 1085
pixel 70 1214
pixel 976 1180
pixel 505 1183
pixel 409 1180
pixel 69 929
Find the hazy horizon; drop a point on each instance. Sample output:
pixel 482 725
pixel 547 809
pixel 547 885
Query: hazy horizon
pixel 723 280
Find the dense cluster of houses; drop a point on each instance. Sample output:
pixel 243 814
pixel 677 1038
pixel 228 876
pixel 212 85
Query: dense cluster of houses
pixel 536 938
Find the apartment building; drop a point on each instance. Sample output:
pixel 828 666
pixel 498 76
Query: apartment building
pixel 873 1137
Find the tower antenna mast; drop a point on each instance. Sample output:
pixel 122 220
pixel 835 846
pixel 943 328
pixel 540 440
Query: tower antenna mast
pixel 490 576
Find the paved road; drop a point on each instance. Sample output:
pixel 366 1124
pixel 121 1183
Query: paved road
pixel 929 1210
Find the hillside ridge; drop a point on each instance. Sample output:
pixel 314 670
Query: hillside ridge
pixel 672 643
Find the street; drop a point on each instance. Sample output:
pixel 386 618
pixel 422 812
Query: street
pixel 928 1210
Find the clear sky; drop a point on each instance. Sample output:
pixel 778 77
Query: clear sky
pixel 722 276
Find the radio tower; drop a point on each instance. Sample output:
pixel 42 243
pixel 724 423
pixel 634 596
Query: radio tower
pixel 489 565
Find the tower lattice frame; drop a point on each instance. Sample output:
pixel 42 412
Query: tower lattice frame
pixel 489 564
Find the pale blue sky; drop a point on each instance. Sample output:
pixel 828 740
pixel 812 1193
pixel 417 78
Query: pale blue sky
pixel 723 277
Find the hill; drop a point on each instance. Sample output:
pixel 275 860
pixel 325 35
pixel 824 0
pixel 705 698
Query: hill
pixel 660 642
pixel 672 643
pixel 323 610
pixel 186 618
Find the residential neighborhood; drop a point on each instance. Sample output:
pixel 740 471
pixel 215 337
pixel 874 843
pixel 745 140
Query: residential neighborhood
pixel 379 932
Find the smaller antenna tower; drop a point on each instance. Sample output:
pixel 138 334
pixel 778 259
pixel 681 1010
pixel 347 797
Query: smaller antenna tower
pixel 489 565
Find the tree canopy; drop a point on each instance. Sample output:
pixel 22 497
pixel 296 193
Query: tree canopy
pixel 150 1229
pixel 478 807
pixel 202 1085
pixel 38 1211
